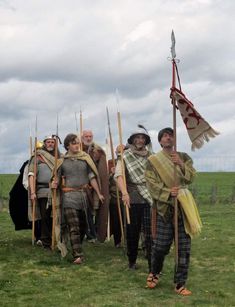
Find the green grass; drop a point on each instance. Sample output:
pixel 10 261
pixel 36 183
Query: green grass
pixel 6 183
pixel 211 188
pixel 31 276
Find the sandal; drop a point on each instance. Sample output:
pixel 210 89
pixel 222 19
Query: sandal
pixel 183 291
pixel 152 280
pixel 78 260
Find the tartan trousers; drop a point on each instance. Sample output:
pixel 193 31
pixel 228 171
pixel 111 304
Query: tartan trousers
pixel 76 221
pixel 140 220
pixel 162 244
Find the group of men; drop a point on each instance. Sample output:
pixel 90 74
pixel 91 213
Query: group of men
pixel 147 190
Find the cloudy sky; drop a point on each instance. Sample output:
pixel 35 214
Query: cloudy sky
pixel 60 56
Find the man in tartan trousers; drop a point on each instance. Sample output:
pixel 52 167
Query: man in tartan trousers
pixel 160 182
pixel 135 194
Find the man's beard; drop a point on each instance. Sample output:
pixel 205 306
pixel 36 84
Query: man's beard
pixel 50 150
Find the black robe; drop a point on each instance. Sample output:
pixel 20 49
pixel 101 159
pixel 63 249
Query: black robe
pixel 18 203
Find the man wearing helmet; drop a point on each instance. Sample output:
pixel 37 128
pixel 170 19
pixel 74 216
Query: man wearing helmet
pixel 135 194
pixel 41 193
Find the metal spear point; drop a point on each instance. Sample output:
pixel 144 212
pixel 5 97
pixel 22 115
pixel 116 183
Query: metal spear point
pixel 173 54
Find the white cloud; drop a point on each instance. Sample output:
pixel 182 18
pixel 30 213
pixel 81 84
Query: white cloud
pixel 58 58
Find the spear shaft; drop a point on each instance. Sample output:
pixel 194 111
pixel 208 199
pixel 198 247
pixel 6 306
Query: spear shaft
pixel 34 181
pixel 175 149
pixel 54 191
pixel 81 128
pixel 113 161
pixel 122 161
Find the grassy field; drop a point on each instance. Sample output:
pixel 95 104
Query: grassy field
pixel 32 276
pixel 208 188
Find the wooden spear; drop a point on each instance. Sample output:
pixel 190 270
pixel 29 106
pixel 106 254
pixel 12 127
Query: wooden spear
pixel 81 128
pixel 34 181
pixel 54 190
pixel 113 161
pixel 175 150
pixel 30 141
pixel 122 161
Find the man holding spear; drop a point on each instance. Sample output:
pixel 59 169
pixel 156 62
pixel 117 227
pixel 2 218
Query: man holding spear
pixel 168 173
pixel 40 174
pixel 160 182
pixel 78 175
pixel 135 194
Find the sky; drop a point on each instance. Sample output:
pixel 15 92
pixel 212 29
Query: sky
pixel 58 57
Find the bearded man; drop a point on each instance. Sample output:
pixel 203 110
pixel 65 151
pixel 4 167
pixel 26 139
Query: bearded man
pixel 42 192
pixel 98 213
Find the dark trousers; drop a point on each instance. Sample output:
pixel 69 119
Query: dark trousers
pixel 140 220
pixel 162 244
pixel 46 222
pixel 76 221
pixel 115 226
pixel 91 227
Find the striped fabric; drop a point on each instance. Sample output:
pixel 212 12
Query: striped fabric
pixel 76 221
pixel 136 166
pixel 162 244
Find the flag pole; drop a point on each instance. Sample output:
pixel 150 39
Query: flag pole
pixel 173 54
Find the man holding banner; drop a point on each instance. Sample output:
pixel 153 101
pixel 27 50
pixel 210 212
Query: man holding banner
pixel 161 185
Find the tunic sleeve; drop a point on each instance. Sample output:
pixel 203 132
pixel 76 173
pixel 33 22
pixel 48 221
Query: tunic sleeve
pixel 91 174
pixel 189 170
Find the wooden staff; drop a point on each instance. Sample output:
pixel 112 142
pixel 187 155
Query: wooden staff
pixel 34 181
pixel 122 161
pixel 54 190
pixel 30 141
pixel 113 161
pixel 81 128
pixel 175 149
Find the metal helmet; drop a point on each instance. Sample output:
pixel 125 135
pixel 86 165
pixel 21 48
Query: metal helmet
pixel 49 137
pixel 142 131
pixel 39 144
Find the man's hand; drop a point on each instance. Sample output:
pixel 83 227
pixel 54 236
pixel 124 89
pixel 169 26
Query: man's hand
pixel 54 184
pixel 101 198
pixel 113 170
pixel 174 191
pixel 176 159
pixel 126 199
pixel 33 196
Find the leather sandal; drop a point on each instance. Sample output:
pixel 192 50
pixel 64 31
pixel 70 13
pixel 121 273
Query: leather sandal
pixel 183 291
pixel 152 281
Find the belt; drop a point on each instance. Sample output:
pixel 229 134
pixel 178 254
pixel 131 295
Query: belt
pixel 81 188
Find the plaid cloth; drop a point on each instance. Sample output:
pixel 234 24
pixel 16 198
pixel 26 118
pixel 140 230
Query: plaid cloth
pixel 162 244
pixel 136 166
pixel 76 221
